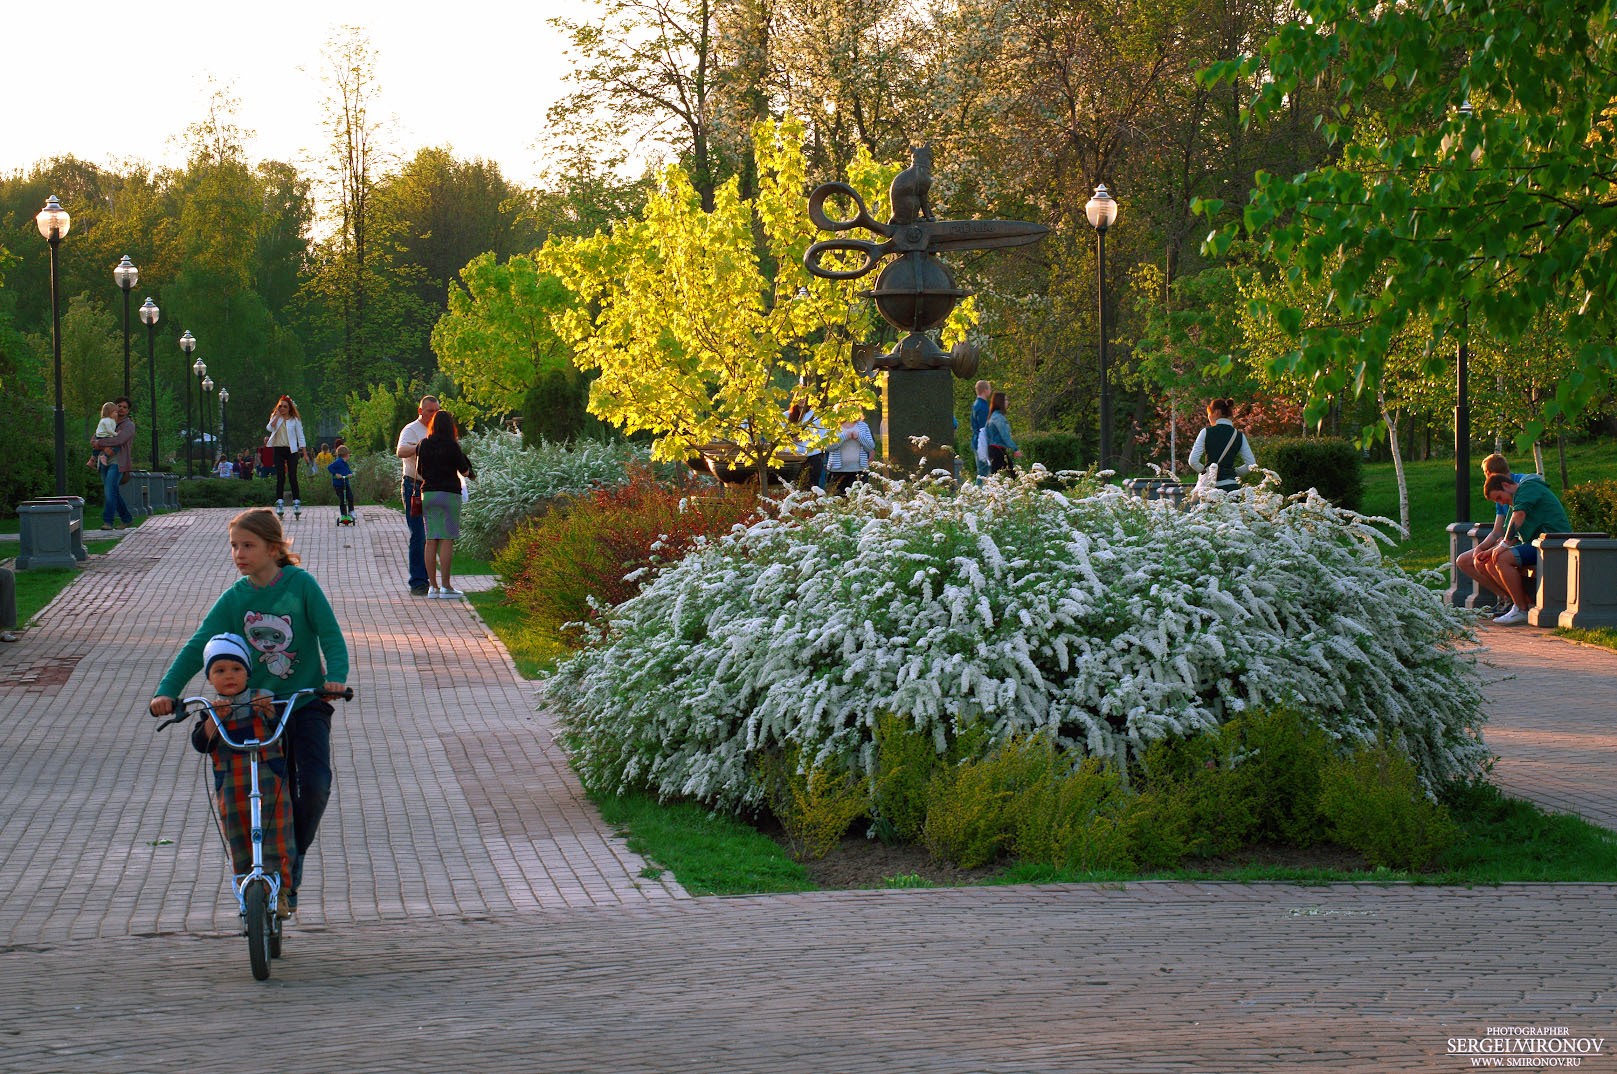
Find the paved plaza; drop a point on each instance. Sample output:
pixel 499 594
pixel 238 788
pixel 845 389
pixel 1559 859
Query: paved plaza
pixel 465 909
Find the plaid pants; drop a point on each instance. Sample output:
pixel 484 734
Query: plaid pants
pixel 232 783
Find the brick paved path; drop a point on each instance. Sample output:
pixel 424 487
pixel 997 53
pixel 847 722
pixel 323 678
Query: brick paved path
pixel 471 915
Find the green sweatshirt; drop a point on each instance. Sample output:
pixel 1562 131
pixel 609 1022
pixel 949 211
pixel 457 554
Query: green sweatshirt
pixel 288 624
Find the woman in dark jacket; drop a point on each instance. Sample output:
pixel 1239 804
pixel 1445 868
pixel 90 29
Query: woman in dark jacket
pixel 441 462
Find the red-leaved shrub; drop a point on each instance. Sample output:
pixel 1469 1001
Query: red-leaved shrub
pixel 552 565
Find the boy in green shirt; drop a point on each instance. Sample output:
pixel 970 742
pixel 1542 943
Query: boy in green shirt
pixel 1534 510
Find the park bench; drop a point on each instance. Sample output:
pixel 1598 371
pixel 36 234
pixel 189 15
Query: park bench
pixel 1573 585
pixel 50 533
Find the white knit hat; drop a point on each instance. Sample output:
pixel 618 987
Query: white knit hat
pixel 226 647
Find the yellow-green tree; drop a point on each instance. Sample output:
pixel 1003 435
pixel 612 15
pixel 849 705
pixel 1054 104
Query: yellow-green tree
pixel 703 334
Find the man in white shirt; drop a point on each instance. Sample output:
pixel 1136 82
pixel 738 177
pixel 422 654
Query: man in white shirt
pixel 410 438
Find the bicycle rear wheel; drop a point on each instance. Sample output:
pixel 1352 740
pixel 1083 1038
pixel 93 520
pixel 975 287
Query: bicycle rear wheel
pixel 259 911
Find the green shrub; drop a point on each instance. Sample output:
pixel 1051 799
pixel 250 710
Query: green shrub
pixel 971 805
pixel 515 483
pixel 1075 819
pixel 1057 451
pixel 906 758
pixel 1196 797
pixel 598 547
pixel 1280 758
pixel 1374 803
pixel 1332 466
pixel 815 804
pixel 1592 507
pixel 228 492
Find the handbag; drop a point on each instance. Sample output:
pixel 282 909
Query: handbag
pixel 981 447
pixel 415 500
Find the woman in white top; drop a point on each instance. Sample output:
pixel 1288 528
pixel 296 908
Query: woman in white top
pixel 1222 445
pixel 285 437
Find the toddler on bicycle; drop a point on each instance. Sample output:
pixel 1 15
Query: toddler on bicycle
pixel 227 662
pixel 293 643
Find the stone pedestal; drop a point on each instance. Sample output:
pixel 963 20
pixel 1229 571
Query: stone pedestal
pixel 49 533
pixel 1553 561
pixel 918 402
pixel 1591 587
pixel 1463 591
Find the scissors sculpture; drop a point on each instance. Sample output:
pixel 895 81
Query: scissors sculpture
pixel 916 291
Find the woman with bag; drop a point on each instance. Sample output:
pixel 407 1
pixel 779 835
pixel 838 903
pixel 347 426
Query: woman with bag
pixel 286 440
pixel 441 462
pixel 1222 445
pixel 1001 446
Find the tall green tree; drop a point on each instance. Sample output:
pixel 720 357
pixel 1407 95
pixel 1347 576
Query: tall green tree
pixel 1488 194
pixel 693 341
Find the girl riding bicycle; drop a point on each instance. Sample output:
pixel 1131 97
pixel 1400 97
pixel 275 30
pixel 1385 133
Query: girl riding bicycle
pixel 294 642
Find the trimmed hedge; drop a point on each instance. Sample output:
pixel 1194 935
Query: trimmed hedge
pixel 1332 466
pixel 1057 451
pixel 1592 507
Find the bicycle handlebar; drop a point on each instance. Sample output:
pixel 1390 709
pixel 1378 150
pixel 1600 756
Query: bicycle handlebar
pixel 190 705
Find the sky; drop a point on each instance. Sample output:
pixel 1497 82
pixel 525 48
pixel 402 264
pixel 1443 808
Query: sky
pixel 128 78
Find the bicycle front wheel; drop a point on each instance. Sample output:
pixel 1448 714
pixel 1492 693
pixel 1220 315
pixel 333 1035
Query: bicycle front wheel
pixel 258 929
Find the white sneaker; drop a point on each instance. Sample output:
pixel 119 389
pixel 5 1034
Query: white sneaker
pixel 450 594
pixel 434 592
pixel 1514 617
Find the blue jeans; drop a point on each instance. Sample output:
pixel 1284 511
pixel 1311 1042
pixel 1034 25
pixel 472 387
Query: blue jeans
pixel 309 753
pixel 418 535
pixel 112 497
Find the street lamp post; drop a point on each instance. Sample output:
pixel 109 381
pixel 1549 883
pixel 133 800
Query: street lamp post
pixel 1102 212
pixel 54 222
pixel 200 368
pixel 126 276
pixel 148 317
pixel 188 344
pixel 224 430
pixel 1462 422
pixel 207 389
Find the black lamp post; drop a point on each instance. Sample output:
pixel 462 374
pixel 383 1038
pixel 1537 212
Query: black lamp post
pixel 54 222
pixel 200 368
pixel 224 430
pixel 1462 422
pixel 148 317
pixel 207 408
pixel 1102 212
pixel 188 344
pixel 126 276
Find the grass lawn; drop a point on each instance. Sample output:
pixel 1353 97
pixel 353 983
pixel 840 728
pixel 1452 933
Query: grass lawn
pixel 35 589
pixel 1431 495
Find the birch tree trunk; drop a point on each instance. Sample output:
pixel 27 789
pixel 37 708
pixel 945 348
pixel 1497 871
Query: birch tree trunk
pixel 1391 421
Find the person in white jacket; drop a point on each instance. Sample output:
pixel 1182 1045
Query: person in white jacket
pixel 286 439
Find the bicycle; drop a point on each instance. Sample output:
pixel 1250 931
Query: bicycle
pixel 257 892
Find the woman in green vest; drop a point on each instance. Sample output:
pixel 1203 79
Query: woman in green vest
pixel 1223 445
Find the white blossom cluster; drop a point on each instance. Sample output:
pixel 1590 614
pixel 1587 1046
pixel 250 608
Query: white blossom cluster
pixel 513 479
pixel 1104 620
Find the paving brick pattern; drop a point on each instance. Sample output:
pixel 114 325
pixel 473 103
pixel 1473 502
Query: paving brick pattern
pixel 470 913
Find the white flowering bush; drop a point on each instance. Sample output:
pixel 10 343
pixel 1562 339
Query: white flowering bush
pixel 514 481
pixel 1103 620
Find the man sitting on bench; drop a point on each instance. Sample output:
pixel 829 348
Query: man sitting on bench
pixel 1534 510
